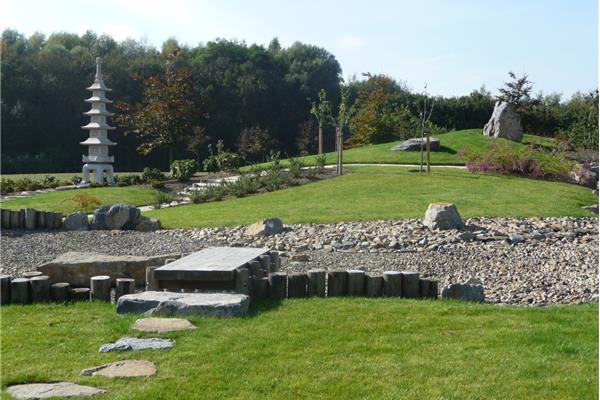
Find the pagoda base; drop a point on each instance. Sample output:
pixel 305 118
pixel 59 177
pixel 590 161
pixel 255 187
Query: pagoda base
pixel 98 170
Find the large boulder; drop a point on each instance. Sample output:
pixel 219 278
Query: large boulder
pixel 78 221
pixel 170 303
pixel 584 174
pixel 77 268
pixel 115 216
pixel 504 123
pixel 442 216
pixel 265 227
pixel 146 224
pixel 414 144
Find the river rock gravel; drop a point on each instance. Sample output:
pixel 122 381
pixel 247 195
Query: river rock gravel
pixel 536 261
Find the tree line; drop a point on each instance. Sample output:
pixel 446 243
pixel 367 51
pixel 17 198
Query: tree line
pixel 253 99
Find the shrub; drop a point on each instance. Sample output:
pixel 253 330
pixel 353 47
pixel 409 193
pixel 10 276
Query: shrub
pixel 163 198
pixel 128 180
pixel 153 174
pixel 85 201
pixel 274 179
pixel 246 184
pixel 7 186
pixel 75 180
pixel 507 159
pixel 222 160
pixel 183 170
pixel 156 184
pixel 216 192
pixel 320 162
pixel 49 180
pixel 296 168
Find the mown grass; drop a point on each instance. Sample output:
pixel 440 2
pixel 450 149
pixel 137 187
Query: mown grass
pixel 451 144
pixel 345 348
pixel 60 201
pixel 372 193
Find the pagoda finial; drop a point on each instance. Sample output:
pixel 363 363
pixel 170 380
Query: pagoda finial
pixel 98 69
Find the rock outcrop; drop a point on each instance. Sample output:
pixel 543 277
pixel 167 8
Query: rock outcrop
pixel 504 123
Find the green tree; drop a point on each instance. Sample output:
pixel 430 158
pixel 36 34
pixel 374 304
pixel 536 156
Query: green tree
pixel 322 112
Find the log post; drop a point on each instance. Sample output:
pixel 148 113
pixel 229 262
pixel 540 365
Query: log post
pixel 433 288
pixel 255 269
pixel 30 219
pixel 337 283
pixel 277 283
pixel 410 284
pixel 124 286
pixel 5 219
pixel 80 294
pixel 60 292
pixel 58 217
pixel 19 291
pixel 297 284
pixel 373 285
pixel 22 218
pixel 265 263
pixel 241 281
pixel 14 219
pixel 356 282
pixel 424 286
pixel 40 288
pixel 151 283
pixel 259 287
pixel 100 288
pixel 48 219
pixel 4 289
pixel 316 282
pixel 40 220
pixel 275 261
pixel 392 284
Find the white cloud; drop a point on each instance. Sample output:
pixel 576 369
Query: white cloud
pixel 352 42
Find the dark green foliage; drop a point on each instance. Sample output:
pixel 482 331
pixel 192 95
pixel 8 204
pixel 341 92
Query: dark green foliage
pixel 128 180
pixel 183 170
pixel 155 174
pixel 245 185
pixel 163 198
pixel 156 184
pixel 296 168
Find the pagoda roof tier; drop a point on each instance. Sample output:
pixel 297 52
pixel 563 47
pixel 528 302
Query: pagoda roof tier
pixel 98 99
pixel 95 111
pixel 99 85
pixel 98 141
pixel 98 125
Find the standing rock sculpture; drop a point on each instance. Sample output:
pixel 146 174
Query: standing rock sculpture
pixel 504 123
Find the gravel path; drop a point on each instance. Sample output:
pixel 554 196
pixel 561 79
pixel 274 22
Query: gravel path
pixel 520 261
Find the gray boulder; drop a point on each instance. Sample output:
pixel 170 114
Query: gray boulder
pixel 115 216
pixel 146 224
pixel 265 227
pixel 129 343
pixel 465 291
pixel 442 216
pixel 170 303
pixel 78 221
pixel 504 123
pixel 414 144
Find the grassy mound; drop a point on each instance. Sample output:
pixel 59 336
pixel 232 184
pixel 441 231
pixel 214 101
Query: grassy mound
pixel 344 348
pixel 372 193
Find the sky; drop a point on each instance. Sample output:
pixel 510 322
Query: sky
pixel 455 46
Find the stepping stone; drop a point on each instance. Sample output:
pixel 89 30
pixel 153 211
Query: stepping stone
pixel 161 325
pixel 128 343
pixel 49 390
pixel 170 303
pixel 123 369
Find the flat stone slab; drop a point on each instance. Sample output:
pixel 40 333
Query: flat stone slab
pixel 77 268
pixel 49 390
pixel 170 303
pixel 123 369
pixel 414 144
pixel 129 343
pixel 210 264
pixel 161 325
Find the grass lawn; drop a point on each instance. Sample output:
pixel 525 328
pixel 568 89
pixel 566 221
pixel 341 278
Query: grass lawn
pixel 60 200
pixel 344 348
pixel 372 193
pixel 450 145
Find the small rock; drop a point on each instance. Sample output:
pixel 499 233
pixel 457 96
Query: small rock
pixel 442 216
pixel 128 343
pixel 300 257
pixel 515 238
pixel 265 227
pixel 466 236
pixel 48 390
pixel 146 224
pixel 123 369
pixel 537 235
pixel 464 291
pixel 78 221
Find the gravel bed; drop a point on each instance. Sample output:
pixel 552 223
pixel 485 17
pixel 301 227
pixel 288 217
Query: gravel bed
pixel 520 261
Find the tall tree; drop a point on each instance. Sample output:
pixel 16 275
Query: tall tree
pixel 165 116
pixel 341 123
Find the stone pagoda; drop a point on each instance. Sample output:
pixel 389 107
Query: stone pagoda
pixel 98 161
